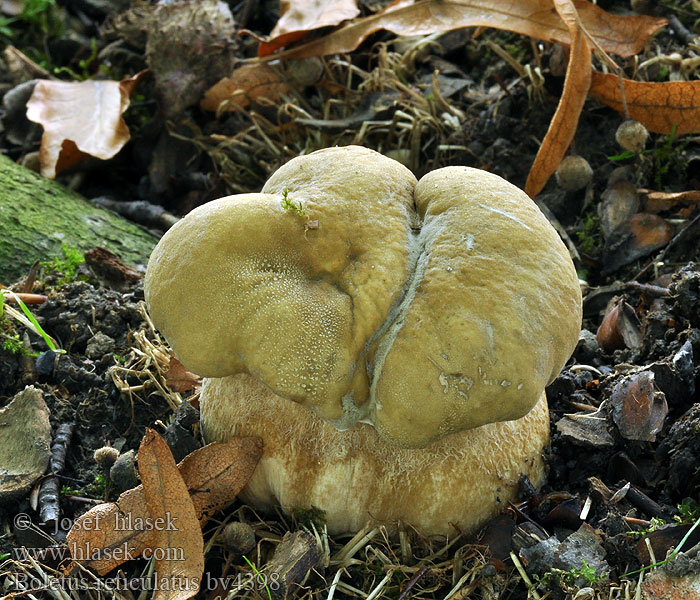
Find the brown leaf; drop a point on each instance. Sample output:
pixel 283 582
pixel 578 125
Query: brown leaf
pixel 620 202
pixel 620 327
pixel 662 540
pixel 655 202
pixel 215 477
pixel 637 237
pixel 246 84
pixel 79 119
pixel 297 17
pixel 176 541
pixel 180 379
pixel 563 126
pixel 638 409
pixel 106 536
pixel 622 35
pixel 608 336
pixel 657 106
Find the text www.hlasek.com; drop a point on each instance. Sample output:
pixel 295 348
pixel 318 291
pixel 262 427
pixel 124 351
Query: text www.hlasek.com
pixel 23 581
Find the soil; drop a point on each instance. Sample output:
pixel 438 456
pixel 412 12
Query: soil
pixel 625 413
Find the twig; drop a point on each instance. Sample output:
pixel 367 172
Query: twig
pixel 526 579
pixel 413 581
pixel 656 291
pixel 49 507
pixel 681 31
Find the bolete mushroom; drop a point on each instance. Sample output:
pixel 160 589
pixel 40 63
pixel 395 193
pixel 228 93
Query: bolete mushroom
pixel 389 339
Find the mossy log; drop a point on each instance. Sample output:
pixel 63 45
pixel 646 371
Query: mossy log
pixel 38 216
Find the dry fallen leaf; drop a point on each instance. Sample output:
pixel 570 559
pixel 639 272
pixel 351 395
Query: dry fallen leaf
pixel 656 202
pixel 298 17
pixel 246 84
pixel 620 328
pixel 215 477
pixel 657 106
pixel 622 35
pixel 79 119
pixel 563 126
pixel 106 536
pixel 637 237
pixel 176 541
pixel 180 379
pixel 639 409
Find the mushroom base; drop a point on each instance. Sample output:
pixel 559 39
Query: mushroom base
pixel 457 483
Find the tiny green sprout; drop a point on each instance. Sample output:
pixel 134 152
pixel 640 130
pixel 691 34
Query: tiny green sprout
pixel 586 572
pixel 261 577
pixel 669 557
pixel 26 318
pixel 99 486
pixel 688 511
pixel 288 204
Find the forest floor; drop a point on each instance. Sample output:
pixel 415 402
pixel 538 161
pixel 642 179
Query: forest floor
pixel 623 485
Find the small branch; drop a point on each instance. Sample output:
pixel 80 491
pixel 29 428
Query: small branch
pixel 49 507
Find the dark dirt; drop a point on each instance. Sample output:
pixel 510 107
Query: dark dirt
pixel 629 470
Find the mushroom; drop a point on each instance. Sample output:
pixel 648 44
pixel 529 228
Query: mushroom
pixel 393 357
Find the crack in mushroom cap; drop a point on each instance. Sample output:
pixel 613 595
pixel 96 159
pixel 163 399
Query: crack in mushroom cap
pixel 423 308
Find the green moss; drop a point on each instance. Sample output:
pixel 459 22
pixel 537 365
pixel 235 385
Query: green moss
pixel 308 516
pixel 38 217
pixel 66 267
pixel 13 344
pixel 288 204
pixel 589 238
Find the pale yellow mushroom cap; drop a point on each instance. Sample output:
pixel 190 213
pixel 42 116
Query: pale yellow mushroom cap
pixel 422 308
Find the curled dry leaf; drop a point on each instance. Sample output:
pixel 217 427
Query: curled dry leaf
pixel 620 202
pixel 563 126
pixel 657 106
pixel 106 536
pixel 79 119
pixel 298 17
pixel 638 409
pixel 180 379
pixel 246 84
pixel 622 35
pixel 655 202
pixel 620 328
pixel 639 236
pixel 176 540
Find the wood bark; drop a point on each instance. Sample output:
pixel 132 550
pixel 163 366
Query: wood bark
pixel 38 216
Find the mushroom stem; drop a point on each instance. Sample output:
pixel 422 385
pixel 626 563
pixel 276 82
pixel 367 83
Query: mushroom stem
pixel 355 476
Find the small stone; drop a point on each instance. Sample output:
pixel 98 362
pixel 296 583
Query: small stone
pixel 46 363
pixel 123 473
pixel 99 345
pixel 658 585
pixel 586 429
pixel 304 71
pixel 25 442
